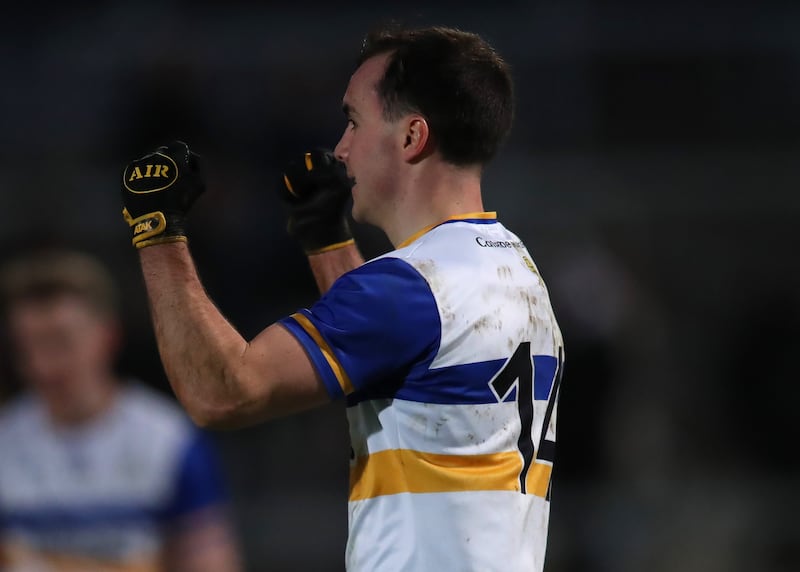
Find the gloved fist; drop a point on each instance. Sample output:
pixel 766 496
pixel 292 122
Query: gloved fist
pixel 316 190
pixel 157 192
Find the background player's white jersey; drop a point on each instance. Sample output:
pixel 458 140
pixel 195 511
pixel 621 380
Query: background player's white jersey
pixel 450 357
pixel 106 492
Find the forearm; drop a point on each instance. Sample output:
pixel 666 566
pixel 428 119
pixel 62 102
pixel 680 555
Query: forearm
pixel 330 265
pixel 201 352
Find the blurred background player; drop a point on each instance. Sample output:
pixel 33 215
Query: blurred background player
pixel 446 348
pixel 96 474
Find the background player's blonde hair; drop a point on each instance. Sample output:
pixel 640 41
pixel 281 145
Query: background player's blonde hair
pixel 51 272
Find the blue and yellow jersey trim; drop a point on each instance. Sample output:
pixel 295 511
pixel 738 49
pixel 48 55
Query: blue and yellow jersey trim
pixel 345 332
pixel 345 386
pixel 476 217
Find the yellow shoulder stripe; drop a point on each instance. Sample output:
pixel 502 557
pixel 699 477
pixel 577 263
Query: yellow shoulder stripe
pixel 327 352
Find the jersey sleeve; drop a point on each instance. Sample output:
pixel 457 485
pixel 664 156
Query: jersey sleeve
pixel 199 483
pixel 372 327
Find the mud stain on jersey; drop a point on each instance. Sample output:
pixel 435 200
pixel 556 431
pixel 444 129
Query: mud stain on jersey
pixel 441 422
pixel 428 270
pixel 504 272
pixel 488 322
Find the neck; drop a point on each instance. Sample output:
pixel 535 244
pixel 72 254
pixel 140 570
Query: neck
pixel 83 408
pixel 431 196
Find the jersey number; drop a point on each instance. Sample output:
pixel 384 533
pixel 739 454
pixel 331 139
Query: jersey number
pixel 519 372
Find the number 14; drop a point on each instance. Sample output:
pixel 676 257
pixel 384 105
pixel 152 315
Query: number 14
pixel 535 378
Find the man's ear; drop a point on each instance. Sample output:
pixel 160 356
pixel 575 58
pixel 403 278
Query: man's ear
pixel 416 138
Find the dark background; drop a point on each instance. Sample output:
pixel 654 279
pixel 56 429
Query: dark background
pixel 652 172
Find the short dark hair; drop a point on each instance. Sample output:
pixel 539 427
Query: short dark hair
pixel 455 79
pixel 45 274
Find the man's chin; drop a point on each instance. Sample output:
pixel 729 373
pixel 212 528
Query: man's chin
pixel 356 212
pixel 357 216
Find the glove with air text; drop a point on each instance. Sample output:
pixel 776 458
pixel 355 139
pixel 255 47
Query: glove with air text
pixel 157 192
pixel 316 190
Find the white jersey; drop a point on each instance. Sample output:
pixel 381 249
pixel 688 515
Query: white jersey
pixel 103 492
pixel 450 357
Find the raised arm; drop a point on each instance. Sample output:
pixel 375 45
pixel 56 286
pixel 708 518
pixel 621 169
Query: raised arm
pixel 221 379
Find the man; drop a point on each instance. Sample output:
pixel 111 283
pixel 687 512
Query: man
pixel 446 348
pixel 95 474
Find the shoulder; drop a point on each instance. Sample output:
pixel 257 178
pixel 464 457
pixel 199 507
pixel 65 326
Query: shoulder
pixel 380 280
pixel 457 242
pixel 139 398
pixel 377 294
pixel 149 411
pixel 448 253
pixel 392 263
pixel 21 412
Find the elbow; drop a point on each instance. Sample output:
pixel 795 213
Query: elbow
pixel 215 417
pixel 220 413
pixel 223 397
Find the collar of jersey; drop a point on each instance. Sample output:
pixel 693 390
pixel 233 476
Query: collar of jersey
pixel 476 217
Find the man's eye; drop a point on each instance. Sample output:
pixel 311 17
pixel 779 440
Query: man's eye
pixel 351 123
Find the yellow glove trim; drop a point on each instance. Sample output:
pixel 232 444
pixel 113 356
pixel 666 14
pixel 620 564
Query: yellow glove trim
pixel 331 247
pixel 288 185
pixel 144 229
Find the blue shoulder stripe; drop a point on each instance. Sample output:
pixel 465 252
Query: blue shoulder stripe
pixel 465 384
pixel 457 384
pixel 83 517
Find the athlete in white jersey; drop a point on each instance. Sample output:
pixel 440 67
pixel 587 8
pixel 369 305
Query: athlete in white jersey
pixel 96 474
pixel 446 348
pixel 107 494
pixel 448 352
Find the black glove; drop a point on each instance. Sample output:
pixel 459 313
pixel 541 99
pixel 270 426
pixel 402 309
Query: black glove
pixel 316 190
pixel 157 192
